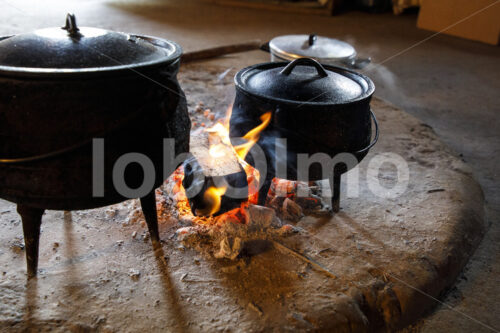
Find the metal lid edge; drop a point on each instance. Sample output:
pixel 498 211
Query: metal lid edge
pixel 30 72
pixel 238 82
pixel 291 56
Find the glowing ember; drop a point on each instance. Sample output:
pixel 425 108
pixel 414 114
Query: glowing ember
pixel 237 215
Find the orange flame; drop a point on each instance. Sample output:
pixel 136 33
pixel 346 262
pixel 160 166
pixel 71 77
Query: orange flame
pixel 212 198
pixel 219 140
pixel 253 136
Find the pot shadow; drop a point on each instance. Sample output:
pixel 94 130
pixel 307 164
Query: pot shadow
pixel 69 246
pixel 71 278
pixel 169 292
pixel 73 289
pixel 31 303
pixel 70 275
pixel 321 221
pixel 255 247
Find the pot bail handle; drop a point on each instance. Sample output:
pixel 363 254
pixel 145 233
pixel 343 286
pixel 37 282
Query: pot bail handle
pixel 375 139
pixel 304 61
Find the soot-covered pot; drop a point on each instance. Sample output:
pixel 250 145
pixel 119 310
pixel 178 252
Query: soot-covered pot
pixel 316 108
pixel 62 87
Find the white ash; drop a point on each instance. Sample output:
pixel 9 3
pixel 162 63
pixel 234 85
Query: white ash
pixel 228 250
pixel 186 234
pixel 111 212
pixel 227 238
pixel 134 274
pixel 186 221
pixel 130 212
pixel 288 229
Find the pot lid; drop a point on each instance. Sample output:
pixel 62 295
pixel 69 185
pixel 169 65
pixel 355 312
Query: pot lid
pixel 304 81
pixel 323 49
pixel 73 49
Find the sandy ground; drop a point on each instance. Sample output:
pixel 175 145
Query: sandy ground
pixel 377 265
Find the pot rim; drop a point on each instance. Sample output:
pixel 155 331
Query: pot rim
pixel 291 55
pixel 39 72
pixel 367 93
pixel 323 61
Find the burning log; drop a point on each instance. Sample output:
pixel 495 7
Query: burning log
pixel 214 179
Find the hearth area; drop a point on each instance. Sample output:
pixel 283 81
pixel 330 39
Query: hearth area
pixel 284 264
pixel 302 172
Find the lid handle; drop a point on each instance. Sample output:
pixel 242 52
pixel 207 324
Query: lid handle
pixel 71 27
pixel 312 39
pixel 304 61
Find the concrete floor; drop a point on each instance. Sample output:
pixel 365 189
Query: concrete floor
pixel 449 83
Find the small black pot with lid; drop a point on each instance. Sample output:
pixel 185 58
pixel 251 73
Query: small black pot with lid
pixel 316 108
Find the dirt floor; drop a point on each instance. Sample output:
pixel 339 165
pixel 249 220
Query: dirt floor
pixel 449 83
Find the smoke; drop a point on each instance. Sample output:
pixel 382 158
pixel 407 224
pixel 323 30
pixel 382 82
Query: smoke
pixel 380 74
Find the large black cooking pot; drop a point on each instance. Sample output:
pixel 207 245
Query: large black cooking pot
pixel 316 108
pixel 62 87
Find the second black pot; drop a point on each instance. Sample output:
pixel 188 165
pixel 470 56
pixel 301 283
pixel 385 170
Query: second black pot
pixel 316 108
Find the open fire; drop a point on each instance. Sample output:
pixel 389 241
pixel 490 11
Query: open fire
pixel 220 147
pixel 218 150
pixel 219 154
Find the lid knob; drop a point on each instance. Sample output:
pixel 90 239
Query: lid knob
pixel 312 39
pixel 71 27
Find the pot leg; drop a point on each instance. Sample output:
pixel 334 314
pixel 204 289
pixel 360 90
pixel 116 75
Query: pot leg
pixel 335 186
pixel 148 204
pixel 32 220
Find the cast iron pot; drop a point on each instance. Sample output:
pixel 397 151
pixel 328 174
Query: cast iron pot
pixel 316 108
pixel 62 87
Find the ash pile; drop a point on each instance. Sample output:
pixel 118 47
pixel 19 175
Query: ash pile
pixel 213 196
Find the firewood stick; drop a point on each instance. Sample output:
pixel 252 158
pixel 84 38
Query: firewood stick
pixel 302 257
pixel 224 168
pixel 221 51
